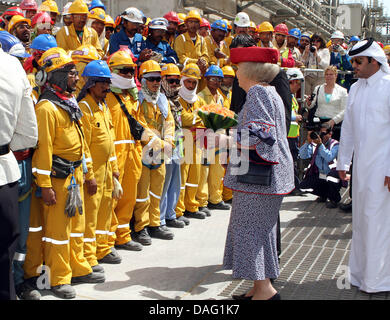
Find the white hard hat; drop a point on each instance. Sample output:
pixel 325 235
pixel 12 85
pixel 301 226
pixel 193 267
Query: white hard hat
pixel 133 15
pixel 294 74
pixel 242 20
pixel 159 24
pixel 337 35
pixel 66 9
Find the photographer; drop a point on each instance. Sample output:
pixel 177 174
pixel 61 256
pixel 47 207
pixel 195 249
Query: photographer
pixel 321 174
pixel 315 56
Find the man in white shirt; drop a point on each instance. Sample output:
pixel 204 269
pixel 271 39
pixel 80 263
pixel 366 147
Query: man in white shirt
pixel 365 134
pixel 18 131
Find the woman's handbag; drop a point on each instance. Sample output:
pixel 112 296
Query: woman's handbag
pixel 313 110
pixel 259 172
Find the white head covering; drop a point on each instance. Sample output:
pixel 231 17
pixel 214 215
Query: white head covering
pixel 375 51
pixel 187 95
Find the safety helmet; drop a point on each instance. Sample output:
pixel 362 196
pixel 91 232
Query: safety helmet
pixel 228 71
pixel 193 14
pixel 229 26
pixel 43 42
pixel 242 20
pixel 253 26
pixel 329 43
pixel 294 74
pixel 120 58
pixel 191 70
pixel 16 20
pixel 12 45
pixel 281 28
pixel 109 21
pixel 28 5
pixel 65 11
pixel 133 15
pixel 78 7
pixel 354 38
pixel 13 11
pixel 49 6
pixel 170 69
pixel 296 33
pixel 97 14
pixel 149 66
pixel 386 49
pixel 214 71
pixel 171 16
pixel 97 68
pixel 182 18
pixel 158 24
pixel 220 25
pixel 205 23
pixel 96 4
pixel 54 58
pixel 85 53
pixel 265 27
pixel 41 18
pixel 337 35
pixel 306 35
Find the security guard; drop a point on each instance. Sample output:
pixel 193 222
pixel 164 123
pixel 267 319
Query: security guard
pixel 156 110
pixel 190 168
pixel 58 171
pixel 77 34
pixel 217 48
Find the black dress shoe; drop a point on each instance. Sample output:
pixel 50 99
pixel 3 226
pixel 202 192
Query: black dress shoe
pixel 195 215
pixel 276 296
pixel 320 199
pixel 219 206
pixel 205 210
pixel 241 297
pixel 347 207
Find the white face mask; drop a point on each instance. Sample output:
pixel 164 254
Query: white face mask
pixel 120 82
pixel 189 96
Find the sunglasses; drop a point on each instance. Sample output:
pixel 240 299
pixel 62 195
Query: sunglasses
pixel 153 79
pixel 127 70
pixel 357 61
pixel 73 73
pixel 173 81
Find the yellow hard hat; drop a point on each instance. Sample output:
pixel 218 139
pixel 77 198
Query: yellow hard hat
pixel 229 26
pixel 15 20
pixel 121 59
pixel 58 58
pixel 170 69
pixel 193 14
pixel 149 66
pixel 97 14
pixel 253 26
pixel 49 6
pixel 182 17
pixel 109 21
pixel 78 7
pixel 265 27
pixel 191 70
pixel 329 43
pixel 147 21
pixel 228 71
pixel 85 53
pixel 386 49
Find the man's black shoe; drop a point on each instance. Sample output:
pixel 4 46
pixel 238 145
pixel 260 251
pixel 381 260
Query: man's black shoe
pixel 195 215
pixel 331 204
pixel 205 210
pixel 131 246
pixel 219 206
pixel 347 207
pixel 174 223
pixel 297 192
pixel 184 219
pixel 320 199
pixel 161 233
pixel 27 291
pixel 143 237
pixel 230 201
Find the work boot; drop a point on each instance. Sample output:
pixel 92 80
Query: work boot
pixel 175 223
pixel 143 237
pixel 205 210
pixel 92 277
pixel 131 246
pixel 112 258
pixel 195 215
pixel 230 201
pixel 347 207
pixel 184 219
pixel 98 268
pixel 27 291
pixel 64 291
pixel 161 233
pixel 219 206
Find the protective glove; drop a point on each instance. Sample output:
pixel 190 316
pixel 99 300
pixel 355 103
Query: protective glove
pixel 79 201
pixel 73 201
pixel 118 191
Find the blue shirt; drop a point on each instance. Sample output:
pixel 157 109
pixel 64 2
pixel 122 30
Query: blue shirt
pixel 342 63
pixel 121 38
pixel 324 155
pixel 169 55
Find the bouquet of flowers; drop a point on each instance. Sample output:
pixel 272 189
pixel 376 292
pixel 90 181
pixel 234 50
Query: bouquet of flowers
pixel 216 117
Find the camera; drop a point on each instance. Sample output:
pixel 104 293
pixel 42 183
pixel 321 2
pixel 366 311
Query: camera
pixel 314 135
pixel 312 125
pixel 313 49
pixel 336 47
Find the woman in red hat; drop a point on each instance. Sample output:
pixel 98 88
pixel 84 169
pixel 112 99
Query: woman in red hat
pixel 259 184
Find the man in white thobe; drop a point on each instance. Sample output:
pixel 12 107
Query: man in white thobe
pixel 365 134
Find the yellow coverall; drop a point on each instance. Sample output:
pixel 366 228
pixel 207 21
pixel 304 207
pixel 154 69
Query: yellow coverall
pixel 212 46
pixel 63 236
pixel 99 136
pixel 188 52
pixel 80 66
pixel 211 174
pixel 150 186
pixel 190 167
pixel 67 39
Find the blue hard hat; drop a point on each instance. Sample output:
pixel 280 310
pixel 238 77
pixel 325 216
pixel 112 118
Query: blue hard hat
pixel 354 38
pixel 220 24
pixel 214 71
pixel 12 45
pixel 96 4
pixel 296 33
pixel 44 42
pixel 97 68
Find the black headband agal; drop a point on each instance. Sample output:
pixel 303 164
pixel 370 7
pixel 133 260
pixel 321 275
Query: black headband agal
pixel 362 48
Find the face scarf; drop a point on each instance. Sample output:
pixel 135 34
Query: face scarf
pixel 168 91
pixel 120 82
pixel 149 96
pixel 188 95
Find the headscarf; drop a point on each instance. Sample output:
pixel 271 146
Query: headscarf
pixel 168 91
pixel 374 51
pixel 188 95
